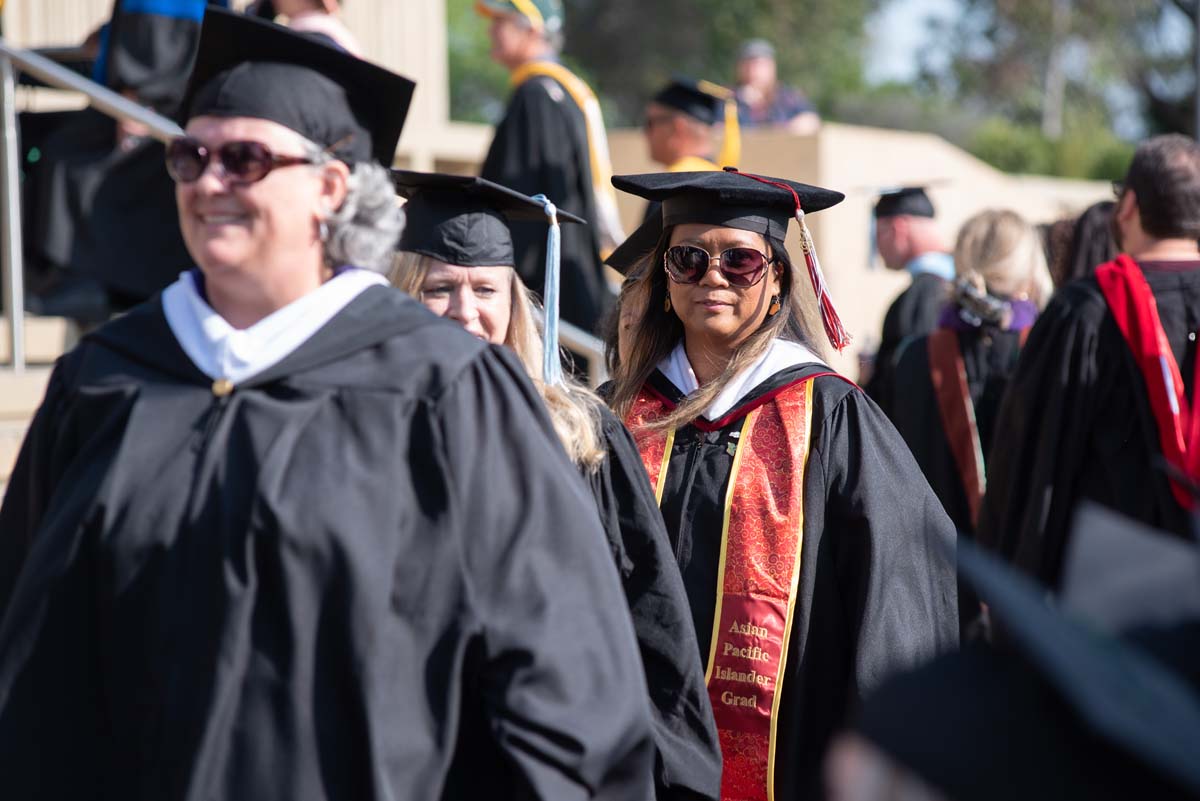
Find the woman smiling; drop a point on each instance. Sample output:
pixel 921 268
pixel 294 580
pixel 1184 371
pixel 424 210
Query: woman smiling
pixel 815 557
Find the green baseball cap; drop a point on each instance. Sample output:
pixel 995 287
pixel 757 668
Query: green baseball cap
pixel 543 15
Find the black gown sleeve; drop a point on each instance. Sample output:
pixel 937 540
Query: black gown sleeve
pixel 688 763
pixel 914 313
pixel 559 675
pixel 1041 436
pixel 894 544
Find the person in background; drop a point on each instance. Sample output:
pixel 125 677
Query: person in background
pixel 681 125
pixel 1090 244
pixel 319 17
pixel 1103 402
pixel 815 557
pixel 907 238
pixel 552 140
pixel 281 533
pixel 455 258
pixel 950 381
pixel 763 101
pixel 100 181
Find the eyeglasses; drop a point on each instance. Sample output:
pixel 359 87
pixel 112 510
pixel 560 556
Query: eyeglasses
pixel 241 162
pixel 1118 188
pixel 741 267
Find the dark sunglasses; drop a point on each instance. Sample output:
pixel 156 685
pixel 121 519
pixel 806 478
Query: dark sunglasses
pixel 741 267
pixel 241 162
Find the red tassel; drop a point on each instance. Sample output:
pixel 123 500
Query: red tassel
pixel 839 337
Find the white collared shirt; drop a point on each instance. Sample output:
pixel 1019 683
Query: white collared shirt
pixel 221 351
pixel 780 355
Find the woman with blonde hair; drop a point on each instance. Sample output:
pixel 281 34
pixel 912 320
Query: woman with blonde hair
pixel 816 558
pixel 963 367
pixel 456 258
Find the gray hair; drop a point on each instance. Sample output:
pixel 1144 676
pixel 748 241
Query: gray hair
pixel 363 232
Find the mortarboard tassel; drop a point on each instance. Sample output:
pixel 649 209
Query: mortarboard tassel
pixel 731 141
pixel 839 337
pixel 551 361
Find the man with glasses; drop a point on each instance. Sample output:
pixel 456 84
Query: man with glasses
pixel 1103 403
pixel 552 141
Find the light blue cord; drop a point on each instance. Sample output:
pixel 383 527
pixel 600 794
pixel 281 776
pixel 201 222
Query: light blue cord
pixel 551 361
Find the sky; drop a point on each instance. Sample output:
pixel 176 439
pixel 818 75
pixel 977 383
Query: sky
pixel 897 34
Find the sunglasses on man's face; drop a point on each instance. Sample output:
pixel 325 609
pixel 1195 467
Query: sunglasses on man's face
pixel 241 162
pixel 741 267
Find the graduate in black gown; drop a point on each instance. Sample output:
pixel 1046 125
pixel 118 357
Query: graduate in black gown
pixel 907 238
pixel 455 257
pixel 552 140
pixel 949 383
pixel 1101 406
pixel 281 533
pixel 815 556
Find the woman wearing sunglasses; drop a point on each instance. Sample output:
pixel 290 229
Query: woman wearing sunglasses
pixel 456 258
pixel 283 534
pixel 815 557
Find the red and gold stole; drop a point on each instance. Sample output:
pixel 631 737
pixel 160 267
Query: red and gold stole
pixel 1133 307
pixel 761 540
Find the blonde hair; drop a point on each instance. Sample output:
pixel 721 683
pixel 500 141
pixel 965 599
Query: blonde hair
pixel 659 331
pixel 574 409
pixel 999 252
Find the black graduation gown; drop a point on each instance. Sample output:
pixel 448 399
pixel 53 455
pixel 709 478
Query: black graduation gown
pixel 541 147
pixel 877 587
pixel 370 572
pixel 913 313
pixel 1076 424
pixel 688 763
pixel 990 358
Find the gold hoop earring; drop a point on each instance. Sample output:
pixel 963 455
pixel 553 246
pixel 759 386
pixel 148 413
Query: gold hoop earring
pixel 667 304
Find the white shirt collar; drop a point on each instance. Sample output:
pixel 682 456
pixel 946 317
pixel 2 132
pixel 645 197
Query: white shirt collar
pixel 780 355
pixel 221 351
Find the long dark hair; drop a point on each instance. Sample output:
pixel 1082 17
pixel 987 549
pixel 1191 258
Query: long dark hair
pixel 659 331
pixel 1091 244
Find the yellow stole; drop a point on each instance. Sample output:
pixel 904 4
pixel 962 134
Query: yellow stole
pixel 607 222
pixel 761 541
pixel 693 164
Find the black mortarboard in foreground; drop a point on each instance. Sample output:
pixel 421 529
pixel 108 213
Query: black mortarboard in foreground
pixel 911 201
pixel 248 67
pixel 1062 713
pixel 735 199
pixel 464 220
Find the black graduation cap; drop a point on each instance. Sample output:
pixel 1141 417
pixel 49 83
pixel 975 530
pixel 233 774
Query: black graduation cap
pixel 907 200
pixel 757 203
pixel 1062 713
pixel 699 99
pixel 248 67
pixel 729 198
pixel 637 246
pixel 463 220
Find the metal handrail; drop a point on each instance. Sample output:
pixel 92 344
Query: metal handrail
pixel 100 98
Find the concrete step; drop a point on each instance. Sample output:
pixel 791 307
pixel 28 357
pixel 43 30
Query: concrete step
pixel 46 338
